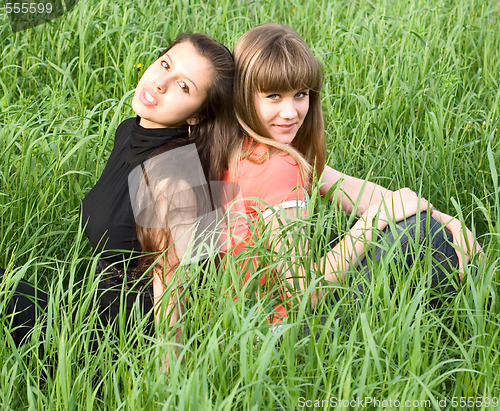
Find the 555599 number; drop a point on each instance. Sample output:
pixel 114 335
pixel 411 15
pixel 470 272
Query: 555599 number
pixel 471 402
pixel 28 8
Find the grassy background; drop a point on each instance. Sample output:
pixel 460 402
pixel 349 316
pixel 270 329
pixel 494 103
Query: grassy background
pixel 411 98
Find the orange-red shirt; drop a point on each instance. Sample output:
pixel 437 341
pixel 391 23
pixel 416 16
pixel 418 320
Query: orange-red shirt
pixel 275 182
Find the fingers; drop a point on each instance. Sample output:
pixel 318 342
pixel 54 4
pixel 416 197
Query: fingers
pixel 466 247
pixel 479 252
pixel 409 198
pixel 473 248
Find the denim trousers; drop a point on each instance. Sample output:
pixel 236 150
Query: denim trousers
pixel 419 239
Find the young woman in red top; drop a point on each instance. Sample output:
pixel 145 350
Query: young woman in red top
pixel 278 105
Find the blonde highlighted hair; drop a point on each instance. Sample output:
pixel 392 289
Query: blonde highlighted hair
pixel 274 58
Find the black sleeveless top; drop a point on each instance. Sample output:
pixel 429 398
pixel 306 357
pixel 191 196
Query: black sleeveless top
pixel 107 215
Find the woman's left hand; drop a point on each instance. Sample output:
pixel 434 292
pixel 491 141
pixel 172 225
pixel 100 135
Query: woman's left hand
pixel 465 244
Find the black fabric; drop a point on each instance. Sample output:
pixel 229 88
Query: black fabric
pixel 106 210
pixel 23 309
pixel 25 305
pixel 116 296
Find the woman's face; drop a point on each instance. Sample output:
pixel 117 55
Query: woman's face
pixel 282 114
pixel 173 89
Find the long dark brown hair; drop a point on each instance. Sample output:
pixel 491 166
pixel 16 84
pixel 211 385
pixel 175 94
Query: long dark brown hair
pixel 213 135
pixel 216 125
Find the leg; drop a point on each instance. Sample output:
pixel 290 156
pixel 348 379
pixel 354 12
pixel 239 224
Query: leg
pixel 118 300
pixel 412 239
pixel 23 307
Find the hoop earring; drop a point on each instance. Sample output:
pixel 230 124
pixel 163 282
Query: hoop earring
pixel 189 131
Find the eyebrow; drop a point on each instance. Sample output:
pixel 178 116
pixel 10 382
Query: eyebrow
pixel 187 78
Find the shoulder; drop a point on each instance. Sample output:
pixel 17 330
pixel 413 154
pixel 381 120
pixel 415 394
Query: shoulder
pixel 124 130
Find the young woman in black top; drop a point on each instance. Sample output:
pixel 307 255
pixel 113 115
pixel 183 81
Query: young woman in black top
pixel 184 97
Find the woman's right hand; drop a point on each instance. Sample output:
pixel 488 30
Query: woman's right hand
pixel 400 204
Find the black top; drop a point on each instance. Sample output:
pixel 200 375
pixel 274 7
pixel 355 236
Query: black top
pixel 107 213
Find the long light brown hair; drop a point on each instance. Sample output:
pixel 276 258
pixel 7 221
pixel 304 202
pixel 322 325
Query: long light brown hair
pixel 274 58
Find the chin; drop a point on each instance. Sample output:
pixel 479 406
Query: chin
pixel 135 107
pixel 140 111
pixel 286 141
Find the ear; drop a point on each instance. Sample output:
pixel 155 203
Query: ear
pixel 192 121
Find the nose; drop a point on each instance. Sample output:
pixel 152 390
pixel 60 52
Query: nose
pixel 161 83
pixel 288 109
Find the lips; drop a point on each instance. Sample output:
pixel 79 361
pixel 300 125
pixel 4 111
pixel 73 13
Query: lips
pixel 147 98
pixel 285 127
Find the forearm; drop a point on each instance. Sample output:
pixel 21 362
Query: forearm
pixel 451 223
pixel 350 250
pixel 164 310
pixel 394 207
pixel 351 191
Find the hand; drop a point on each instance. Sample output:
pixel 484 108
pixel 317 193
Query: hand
pixel 401 204
pixel 465 244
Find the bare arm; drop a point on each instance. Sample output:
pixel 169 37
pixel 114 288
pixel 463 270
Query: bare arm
pixel 352 190
pixel 350 250
pixel 395 206
pixel 177 207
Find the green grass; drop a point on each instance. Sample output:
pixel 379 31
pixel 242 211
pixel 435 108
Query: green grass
pixel 411 98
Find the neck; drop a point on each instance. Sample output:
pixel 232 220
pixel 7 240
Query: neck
pixel 145 123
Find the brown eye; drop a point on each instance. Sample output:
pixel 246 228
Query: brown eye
pixel 184 87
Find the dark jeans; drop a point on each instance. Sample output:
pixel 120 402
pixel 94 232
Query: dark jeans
pixel 26 303
pixel 23 306
pixel 409 242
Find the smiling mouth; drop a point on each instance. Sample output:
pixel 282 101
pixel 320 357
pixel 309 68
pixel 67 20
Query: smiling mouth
pixel 149 97
pixel 285 127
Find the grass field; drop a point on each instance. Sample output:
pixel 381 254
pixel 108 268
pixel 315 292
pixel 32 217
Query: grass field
pixel 411 98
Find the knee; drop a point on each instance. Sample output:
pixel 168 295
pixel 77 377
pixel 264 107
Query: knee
pixel 413 228
pixel 416 219
pixel 423 228
pixel 419 225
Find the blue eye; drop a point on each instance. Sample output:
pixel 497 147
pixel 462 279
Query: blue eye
pixel 302 94
pixel 165 64
pixel 274 96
